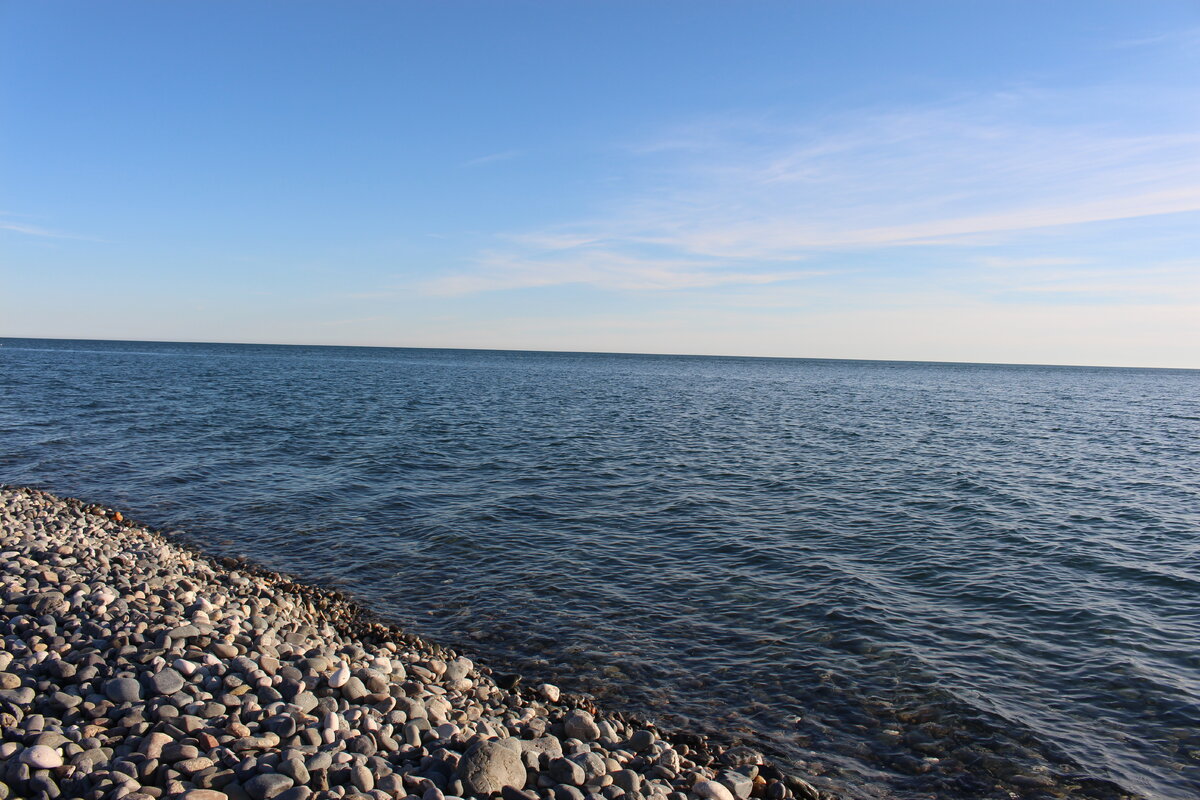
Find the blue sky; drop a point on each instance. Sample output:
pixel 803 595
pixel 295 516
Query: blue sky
pixel 974 181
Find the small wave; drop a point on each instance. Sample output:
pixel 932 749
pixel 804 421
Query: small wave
pixel 864 566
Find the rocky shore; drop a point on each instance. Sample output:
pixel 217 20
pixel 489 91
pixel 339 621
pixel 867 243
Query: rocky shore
pixel 134 667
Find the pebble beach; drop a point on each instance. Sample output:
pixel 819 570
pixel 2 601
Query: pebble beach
pixel 135 667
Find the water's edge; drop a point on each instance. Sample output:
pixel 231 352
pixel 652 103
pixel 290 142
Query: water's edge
pixel 358 614
pixel 918 579
pixel 353 620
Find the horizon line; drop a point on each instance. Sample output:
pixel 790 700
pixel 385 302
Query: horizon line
pixel 611 353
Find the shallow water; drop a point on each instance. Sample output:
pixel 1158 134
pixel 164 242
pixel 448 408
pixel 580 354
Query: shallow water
pixel 910 580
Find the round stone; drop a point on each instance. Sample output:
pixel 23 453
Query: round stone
pixel 41 757
pixel 123 690
pixel 167 681
pixel 491 765
pixel 339 677
pixel 711 790
pixel 458 669
pixel 642 740
pixel 264 787
pixel 564 770
pixel 581 725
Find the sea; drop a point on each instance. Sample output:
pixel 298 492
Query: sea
pixel 898 579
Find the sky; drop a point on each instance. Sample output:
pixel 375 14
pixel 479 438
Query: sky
pixel 1000 181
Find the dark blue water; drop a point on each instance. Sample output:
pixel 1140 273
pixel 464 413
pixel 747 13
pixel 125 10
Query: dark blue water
pixel 910 580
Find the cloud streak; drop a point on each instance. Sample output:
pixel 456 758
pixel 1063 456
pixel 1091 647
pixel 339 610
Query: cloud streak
pixel 600 267
pixel 29 230
pixel 492 158
pixel 719 203
pixel 40 232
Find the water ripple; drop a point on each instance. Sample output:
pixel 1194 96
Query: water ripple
pixel 910 580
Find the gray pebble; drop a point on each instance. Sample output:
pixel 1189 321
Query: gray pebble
pixel 166 681
pixel 581 725
pixel 268 785
pixel 489 766
pixel 123 690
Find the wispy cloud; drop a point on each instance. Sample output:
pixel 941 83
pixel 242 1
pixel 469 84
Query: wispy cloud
pixel 29 230
pixel 1025 262
pixel 38 231
pixel 1185 37
pixel 722 202
pixel 492 158
pixel 600 267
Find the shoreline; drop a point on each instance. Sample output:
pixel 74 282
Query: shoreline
pixel 217 679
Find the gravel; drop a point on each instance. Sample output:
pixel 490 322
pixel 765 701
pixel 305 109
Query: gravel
pixel 134 667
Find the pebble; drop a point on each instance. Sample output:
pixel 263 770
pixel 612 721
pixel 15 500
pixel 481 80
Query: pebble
pixel 712 790
pixel 457 669
pixel 167 681
pixel 738 784
pixel 168 676
pixel 642 740
pixel 123 690
pixel 564 770
pixel 489 766
pixel 339 677
pixel 266 786
pixel 581 725
pixel 41 757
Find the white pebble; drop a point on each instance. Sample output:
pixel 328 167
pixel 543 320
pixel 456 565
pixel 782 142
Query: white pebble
pixel 340 677
pixel 711 790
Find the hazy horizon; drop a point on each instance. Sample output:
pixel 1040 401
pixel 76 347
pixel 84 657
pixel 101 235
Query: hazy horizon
pixel 997 182
pixel 594 353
